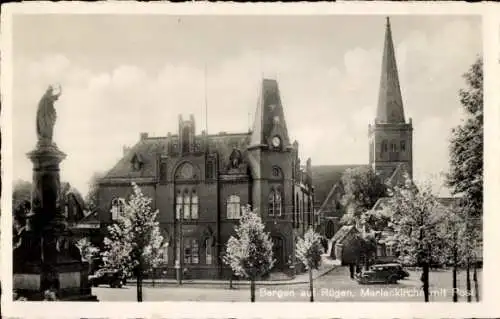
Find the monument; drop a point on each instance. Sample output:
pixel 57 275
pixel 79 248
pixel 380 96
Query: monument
pixel 45 259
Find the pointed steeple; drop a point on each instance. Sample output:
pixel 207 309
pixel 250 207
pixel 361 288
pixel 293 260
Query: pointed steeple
pixel 390 102
pixel 269 121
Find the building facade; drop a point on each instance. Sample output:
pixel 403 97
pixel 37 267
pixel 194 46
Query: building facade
pixel 200 182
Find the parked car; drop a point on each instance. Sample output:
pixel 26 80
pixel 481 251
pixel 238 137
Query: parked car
pixel 379 274
pixel 396 268
pixel 112 277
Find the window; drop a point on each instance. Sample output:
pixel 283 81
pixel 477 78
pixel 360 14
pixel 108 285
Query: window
pixel 276 172
pixel 194 206
pixel 389 250
pixel 210 169
pixel 117 208
pixel 233 207
pixel 403 146
pixel 208 251
pixel 186 205
pixel 384 146
pixel 191 251
pixel 178 206
pixel 164 253
pixel 393 146
pixel 275 203
pixel 297 210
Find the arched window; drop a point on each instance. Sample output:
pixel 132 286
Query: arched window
pixel 186 171
pixel 117 208
pixel 276 172
pixel 275 203
pixel 233 207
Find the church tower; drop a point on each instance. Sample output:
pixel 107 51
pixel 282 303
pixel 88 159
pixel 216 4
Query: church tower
pixel 390 137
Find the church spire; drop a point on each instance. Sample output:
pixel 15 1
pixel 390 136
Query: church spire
pixel 390 102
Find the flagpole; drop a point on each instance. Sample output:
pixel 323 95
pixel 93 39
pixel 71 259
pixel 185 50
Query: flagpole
pixel 206 100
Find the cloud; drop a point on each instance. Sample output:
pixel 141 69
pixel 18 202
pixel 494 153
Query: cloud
pixel 329 100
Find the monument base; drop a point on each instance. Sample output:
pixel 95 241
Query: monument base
pixel 72 279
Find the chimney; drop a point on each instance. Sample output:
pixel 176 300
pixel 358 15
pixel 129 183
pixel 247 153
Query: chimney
pixel 126 149
pixel 144 136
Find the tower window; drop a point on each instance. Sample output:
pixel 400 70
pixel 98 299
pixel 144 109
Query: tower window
pixel 384 146
pixel 393 147
pixel 275 201
pixel 403 146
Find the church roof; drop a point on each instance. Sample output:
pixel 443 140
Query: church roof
pixel 390 103
pixel 342 233
pixel 269 115
pixel 325 178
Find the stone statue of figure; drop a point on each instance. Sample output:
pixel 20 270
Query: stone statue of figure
pixel 46 116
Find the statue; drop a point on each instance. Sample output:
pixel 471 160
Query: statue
pixel 46 116
pixel 235 159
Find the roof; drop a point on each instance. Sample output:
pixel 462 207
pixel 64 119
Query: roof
pixel 390 103
pixel 325 178
pixel 445 201
pixel 269 115
pixel 342 233
pixel 148 149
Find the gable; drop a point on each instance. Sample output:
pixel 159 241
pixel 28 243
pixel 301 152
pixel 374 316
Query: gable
pixel 327 182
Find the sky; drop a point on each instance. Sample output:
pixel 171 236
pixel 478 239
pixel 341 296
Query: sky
pixel 126 74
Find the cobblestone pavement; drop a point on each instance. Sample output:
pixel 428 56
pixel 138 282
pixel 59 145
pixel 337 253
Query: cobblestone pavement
pixel 334 286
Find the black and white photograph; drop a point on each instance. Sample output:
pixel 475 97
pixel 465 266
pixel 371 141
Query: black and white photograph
pixel 246 158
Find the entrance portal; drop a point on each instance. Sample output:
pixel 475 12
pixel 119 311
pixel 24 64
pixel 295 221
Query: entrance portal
pixel 278 253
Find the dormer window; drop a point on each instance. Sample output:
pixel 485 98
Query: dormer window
pixel 137 162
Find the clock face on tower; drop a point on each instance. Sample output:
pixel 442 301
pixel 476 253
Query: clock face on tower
pixel 276 141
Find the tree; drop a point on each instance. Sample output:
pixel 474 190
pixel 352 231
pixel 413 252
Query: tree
pixel 135 241
pixel 465 177
pixel 416 219
pixel 309 251
pixel 21 194
pixel 250 253
pixel 87 250
pixel 362 188
pixel 91 197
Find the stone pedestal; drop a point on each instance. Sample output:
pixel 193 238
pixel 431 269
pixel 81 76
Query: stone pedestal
pixel 46 259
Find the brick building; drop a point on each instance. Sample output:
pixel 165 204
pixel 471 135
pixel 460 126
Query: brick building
pixel 199 183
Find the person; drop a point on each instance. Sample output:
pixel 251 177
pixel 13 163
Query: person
pixel 351 270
